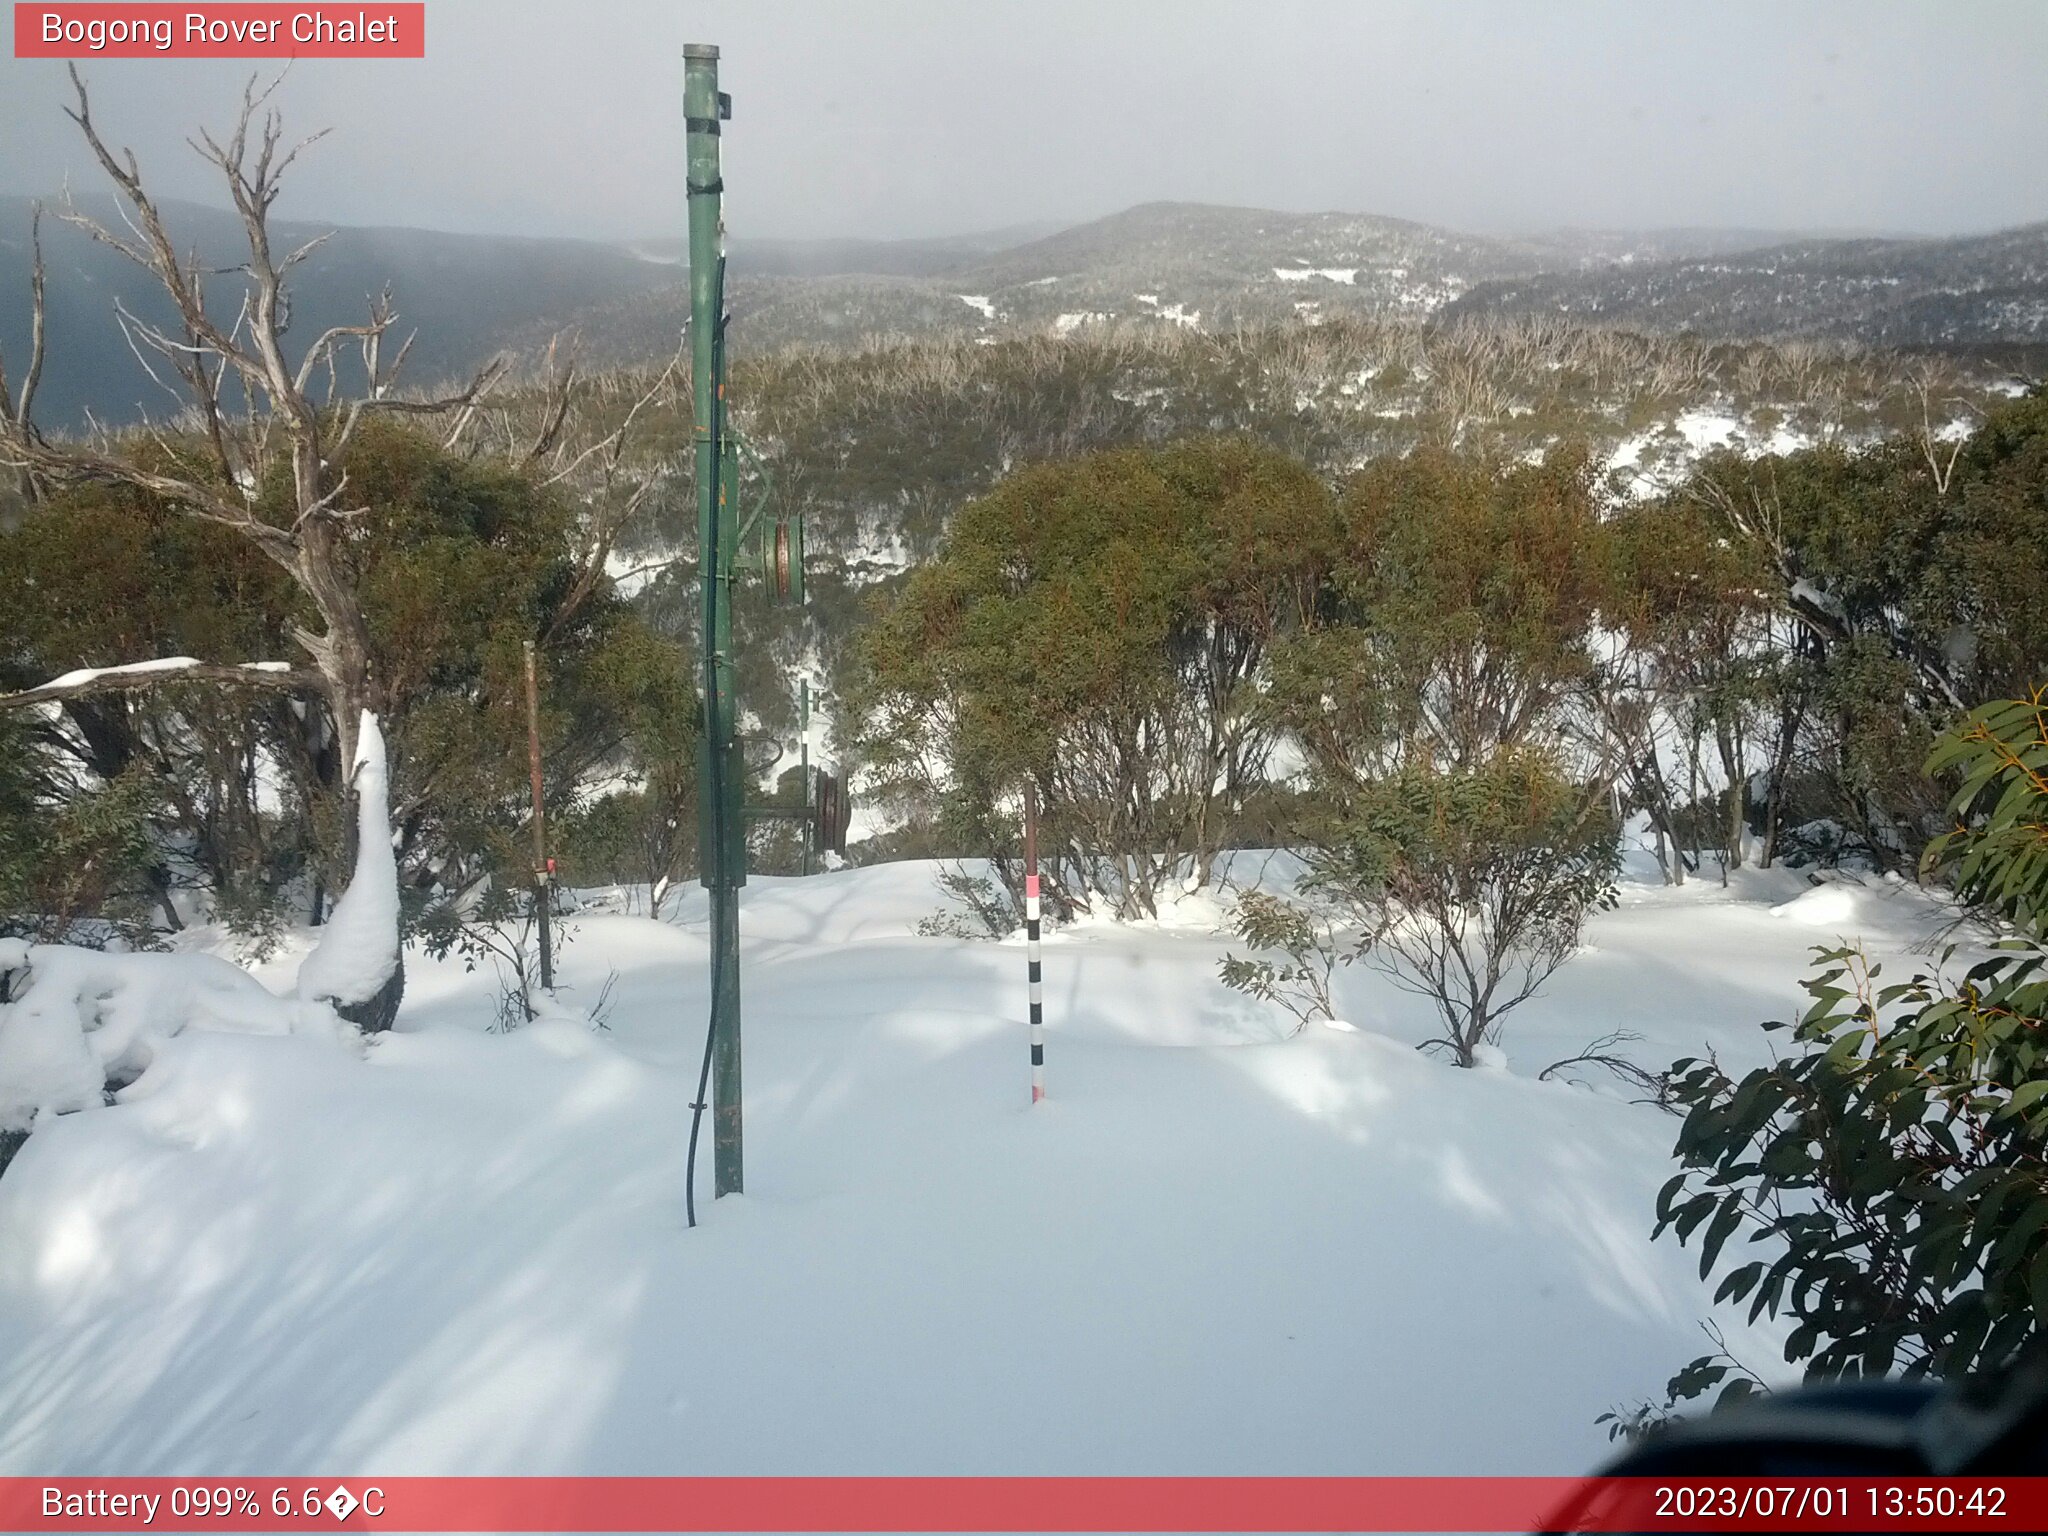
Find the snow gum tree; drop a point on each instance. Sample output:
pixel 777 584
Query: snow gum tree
pixel 1457 619
pixel 290 430
pixel 1907 586
pixel 1470 884
pixel 466 560
pixel 301 421
pixel 1100 626
pixel 1448 807
pixel 1701 657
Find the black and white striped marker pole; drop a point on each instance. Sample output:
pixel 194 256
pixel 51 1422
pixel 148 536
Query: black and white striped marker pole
pixel 1031 944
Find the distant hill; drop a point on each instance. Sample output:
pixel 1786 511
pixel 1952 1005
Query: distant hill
pixel 1160 264
pixel 1186 264
pixel 1927 292
pixel 834 258
pixel 466 294
pixel 1567 249
pixel 1235 256
pixel 1213 268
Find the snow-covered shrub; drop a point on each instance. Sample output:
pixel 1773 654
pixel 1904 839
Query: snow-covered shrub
pixel 990 911
pixel 79 1023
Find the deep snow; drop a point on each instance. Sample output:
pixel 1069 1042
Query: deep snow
pixel 1215 1249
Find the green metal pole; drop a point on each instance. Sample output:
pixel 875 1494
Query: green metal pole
pixel 723 853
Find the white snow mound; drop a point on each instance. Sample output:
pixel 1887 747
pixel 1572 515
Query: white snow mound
pixel 1825 906
pixel 82 1016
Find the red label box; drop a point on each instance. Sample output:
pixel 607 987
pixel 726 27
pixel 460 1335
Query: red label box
pixel 151 1506
pixel 370 30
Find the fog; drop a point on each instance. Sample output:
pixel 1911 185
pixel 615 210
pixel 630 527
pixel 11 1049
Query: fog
pixel 922 117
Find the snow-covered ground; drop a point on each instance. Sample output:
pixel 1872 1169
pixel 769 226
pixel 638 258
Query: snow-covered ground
pixel 1215 1249
pixel 1345 275
pixel 1654 460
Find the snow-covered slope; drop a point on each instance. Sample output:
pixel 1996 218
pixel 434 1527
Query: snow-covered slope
pixel 1911 292
pixel 1214 1249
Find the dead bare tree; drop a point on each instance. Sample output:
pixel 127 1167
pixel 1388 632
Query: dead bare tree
pixel 298 413
pixel 1464 387
pixel 579 431
pixel 288 414
pixel 17 413
pixel 1940 446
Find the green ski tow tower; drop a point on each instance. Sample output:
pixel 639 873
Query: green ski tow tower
pixel 720 773
pixel 731 537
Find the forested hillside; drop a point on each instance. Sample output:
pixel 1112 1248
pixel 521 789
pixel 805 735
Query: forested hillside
pixel 1925 293
pixel 1192 266
pixel 1156 267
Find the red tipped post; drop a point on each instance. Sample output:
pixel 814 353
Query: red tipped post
pixel 1031 941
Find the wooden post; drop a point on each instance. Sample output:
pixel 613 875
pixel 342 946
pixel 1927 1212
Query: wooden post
pixel 541 873
pixel 1031 919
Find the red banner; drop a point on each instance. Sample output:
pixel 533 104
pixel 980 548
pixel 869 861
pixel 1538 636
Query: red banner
pixel 101 31
pixel 149 1504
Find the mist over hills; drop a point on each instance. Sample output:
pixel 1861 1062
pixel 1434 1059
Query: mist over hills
pixel 927 257
pixel 463 293
pixel 1176 264
pixel 1214 268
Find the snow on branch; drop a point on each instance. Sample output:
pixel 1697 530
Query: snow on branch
pixel 174 669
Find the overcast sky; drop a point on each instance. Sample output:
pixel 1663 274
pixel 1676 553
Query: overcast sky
pixel 918 117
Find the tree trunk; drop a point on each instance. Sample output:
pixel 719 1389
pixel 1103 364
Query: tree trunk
pixel 1657 802
pixel 379 1012
pixel 160 885
pixel 1734 800
pixel 1789 720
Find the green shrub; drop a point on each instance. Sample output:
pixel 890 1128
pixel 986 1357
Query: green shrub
pixel 1890 1174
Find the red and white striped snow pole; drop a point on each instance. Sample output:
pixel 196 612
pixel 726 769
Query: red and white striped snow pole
pixel 1031 942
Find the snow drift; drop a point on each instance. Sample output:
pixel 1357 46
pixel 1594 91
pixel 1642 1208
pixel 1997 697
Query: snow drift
pixel 81 1020
pixel 1215 1248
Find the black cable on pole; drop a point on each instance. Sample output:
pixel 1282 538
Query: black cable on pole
pixel 697 1118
